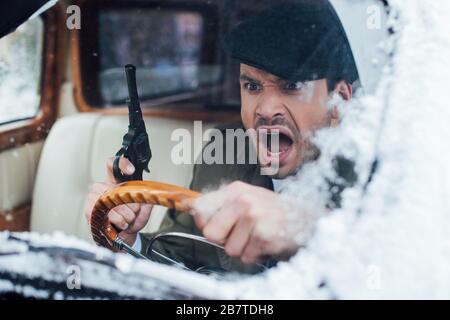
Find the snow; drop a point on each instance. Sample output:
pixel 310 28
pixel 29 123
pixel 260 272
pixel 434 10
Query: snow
pixel 20 71
pixel 389 239
pixel 117 273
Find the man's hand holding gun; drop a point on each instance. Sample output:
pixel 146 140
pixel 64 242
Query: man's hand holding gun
pixel 128 164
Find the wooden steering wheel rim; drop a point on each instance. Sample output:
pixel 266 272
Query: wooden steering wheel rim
pixel 149 192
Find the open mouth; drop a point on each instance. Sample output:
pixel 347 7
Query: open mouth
pixel 275 143
pixel 278 142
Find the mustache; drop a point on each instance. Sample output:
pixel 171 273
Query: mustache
pixel 278 121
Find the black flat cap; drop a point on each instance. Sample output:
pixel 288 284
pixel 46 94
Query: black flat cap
pixel 299 41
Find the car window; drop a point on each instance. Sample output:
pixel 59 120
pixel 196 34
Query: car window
pixel 20 72
pixel 177 47
pixel 169 57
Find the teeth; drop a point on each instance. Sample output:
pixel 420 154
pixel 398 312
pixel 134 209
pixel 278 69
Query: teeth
pixel 273 135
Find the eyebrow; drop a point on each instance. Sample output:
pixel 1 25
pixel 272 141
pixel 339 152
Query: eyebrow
pixel 245 77
pixel 278 81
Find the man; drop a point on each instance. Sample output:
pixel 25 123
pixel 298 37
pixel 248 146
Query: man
pixel 293 58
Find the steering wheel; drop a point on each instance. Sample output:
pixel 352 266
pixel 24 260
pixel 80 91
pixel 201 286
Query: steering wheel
pixel 170 196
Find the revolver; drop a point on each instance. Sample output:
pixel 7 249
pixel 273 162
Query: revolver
pixel 135 145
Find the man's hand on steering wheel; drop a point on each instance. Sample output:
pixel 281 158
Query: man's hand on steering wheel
pixel 130 218
pixel 252 223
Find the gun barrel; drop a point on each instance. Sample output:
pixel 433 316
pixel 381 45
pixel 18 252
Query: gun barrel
pixel 133 102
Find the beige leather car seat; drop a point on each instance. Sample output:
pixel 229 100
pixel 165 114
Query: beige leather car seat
pixel 74 156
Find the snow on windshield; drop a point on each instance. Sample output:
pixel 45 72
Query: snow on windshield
pixel 390 237
pixel 20 71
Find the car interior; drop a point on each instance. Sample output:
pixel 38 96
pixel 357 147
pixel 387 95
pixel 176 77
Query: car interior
pixel 73 115
pixel 64 97
pixel 65 111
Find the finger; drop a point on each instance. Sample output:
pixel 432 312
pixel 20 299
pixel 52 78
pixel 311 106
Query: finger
pixel 125 166
pixel 96 190
pixel 135 207
pixel 117 220
pixel 252 252
pixel 205 207
pixel 258 246
pixel 127 214
pixel 220 225
pixel 200 219
pixel 239 237
pixel 144 214
pixel 99 189
pixel 131 212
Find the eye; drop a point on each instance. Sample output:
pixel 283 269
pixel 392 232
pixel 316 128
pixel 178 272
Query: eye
pixel 252 87
pixel 293 86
